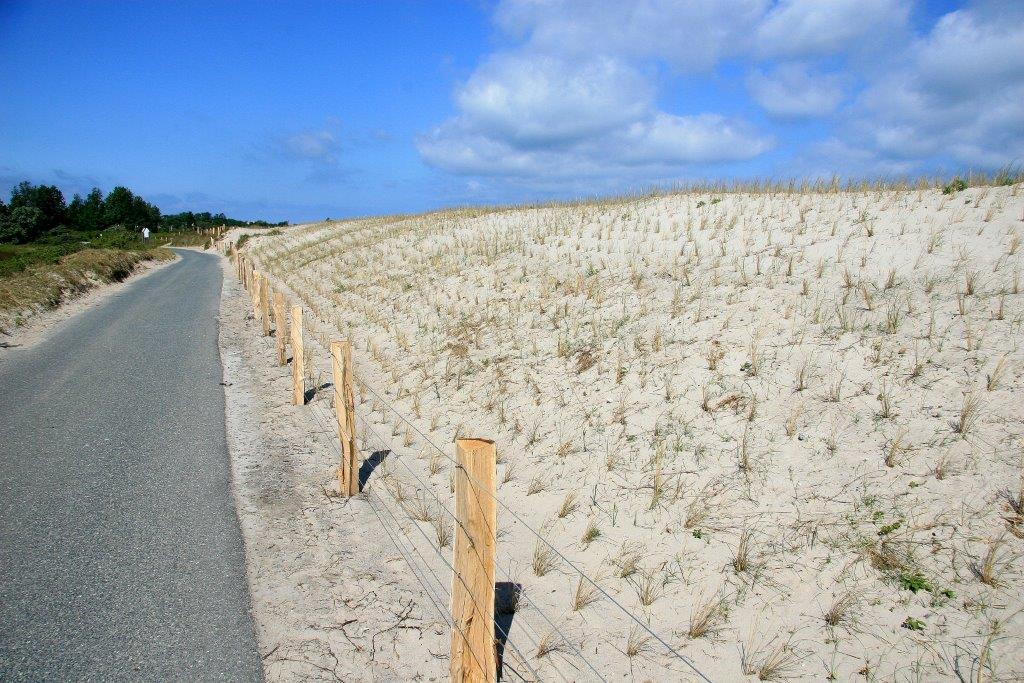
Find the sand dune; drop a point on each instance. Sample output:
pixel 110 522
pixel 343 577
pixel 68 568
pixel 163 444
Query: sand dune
pixel 785 429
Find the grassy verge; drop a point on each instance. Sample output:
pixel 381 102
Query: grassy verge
pixel 45 278
pixel 14 258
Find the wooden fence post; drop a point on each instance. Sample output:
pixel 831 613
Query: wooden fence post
pixel 280 329
pixel 298 380
pixel 265 305
pixel 257 279
pixel 345 410
pixel 473 656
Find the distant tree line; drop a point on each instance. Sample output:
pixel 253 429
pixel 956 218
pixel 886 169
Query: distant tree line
pixel 188 220
pixel 40 213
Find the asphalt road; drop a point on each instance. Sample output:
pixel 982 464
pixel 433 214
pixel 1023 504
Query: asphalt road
pixel 120 552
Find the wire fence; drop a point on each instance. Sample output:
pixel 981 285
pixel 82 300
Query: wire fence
pixel 522 627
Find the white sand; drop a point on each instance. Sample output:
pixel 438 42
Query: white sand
pixel 644 359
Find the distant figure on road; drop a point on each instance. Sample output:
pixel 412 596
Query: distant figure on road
pixel 145 233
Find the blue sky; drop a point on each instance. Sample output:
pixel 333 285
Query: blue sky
pixel 300 111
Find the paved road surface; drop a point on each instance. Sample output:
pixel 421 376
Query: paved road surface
pixel 120 553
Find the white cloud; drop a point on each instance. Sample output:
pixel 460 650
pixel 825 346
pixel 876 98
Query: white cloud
pixel 704 138
pixel 456 147
pixel 959 95
pixel 574 99
pixel 792 91
pixel 319 145
pixel 692 35
pixel 967 54
pixel 834 156
pixel 533 100
pixel 805 28
pixel 591 89
pixel 653 146
pixel 538 115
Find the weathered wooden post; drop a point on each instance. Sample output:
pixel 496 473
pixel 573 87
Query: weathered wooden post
pixel 298 379
pixel 280 329
pixel 257 279
pixel 345 410
pixel 265 305
pixel 473 657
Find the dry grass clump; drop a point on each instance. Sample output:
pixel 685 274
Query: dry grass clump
pixel 569 505
pixel 649 585
pixel 993 562
pixel 839 612
pixel 707 617
pixel 586 594
pixel 544 559
pixel 741 559
pixel 995 378
pixel 551 643
pixel 774 662
pixel 591 533
pixel 627 560
pixel 968 414
pixel 638 642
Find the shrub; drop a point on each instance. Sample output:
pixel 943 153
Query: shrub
pixel 957 185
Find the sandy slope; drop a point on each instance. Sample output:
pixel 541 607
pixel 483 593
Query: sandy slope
pixel 784 429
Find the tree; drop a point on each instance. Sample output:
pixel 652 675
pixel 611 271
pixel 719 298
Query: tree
pixel 86 215
pixel 47 199
pixel 21 224
pixel 122 207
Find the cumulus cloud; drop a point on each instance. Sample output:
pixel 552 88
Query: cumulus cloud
pixel 559 105
pixel 704 138
pixel 647 90
pixel 654 144
pixel 792 91
pixel 959 94
pixel 532 100
pixel 808 28
pixel 692 35
pixel 968 53
pixel 522 116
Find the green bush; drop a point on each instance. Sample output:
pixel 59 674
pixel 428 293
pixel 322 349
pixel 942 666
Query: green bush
pixel 914 582
pixel 957 185
pixel 16 258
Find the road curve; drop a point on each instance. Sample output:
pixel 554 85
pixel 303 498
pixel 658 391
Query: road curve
pixel 120 551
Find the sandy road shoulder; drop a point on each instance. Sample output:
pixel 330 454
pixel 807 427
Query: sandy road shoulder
pixel 332 599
